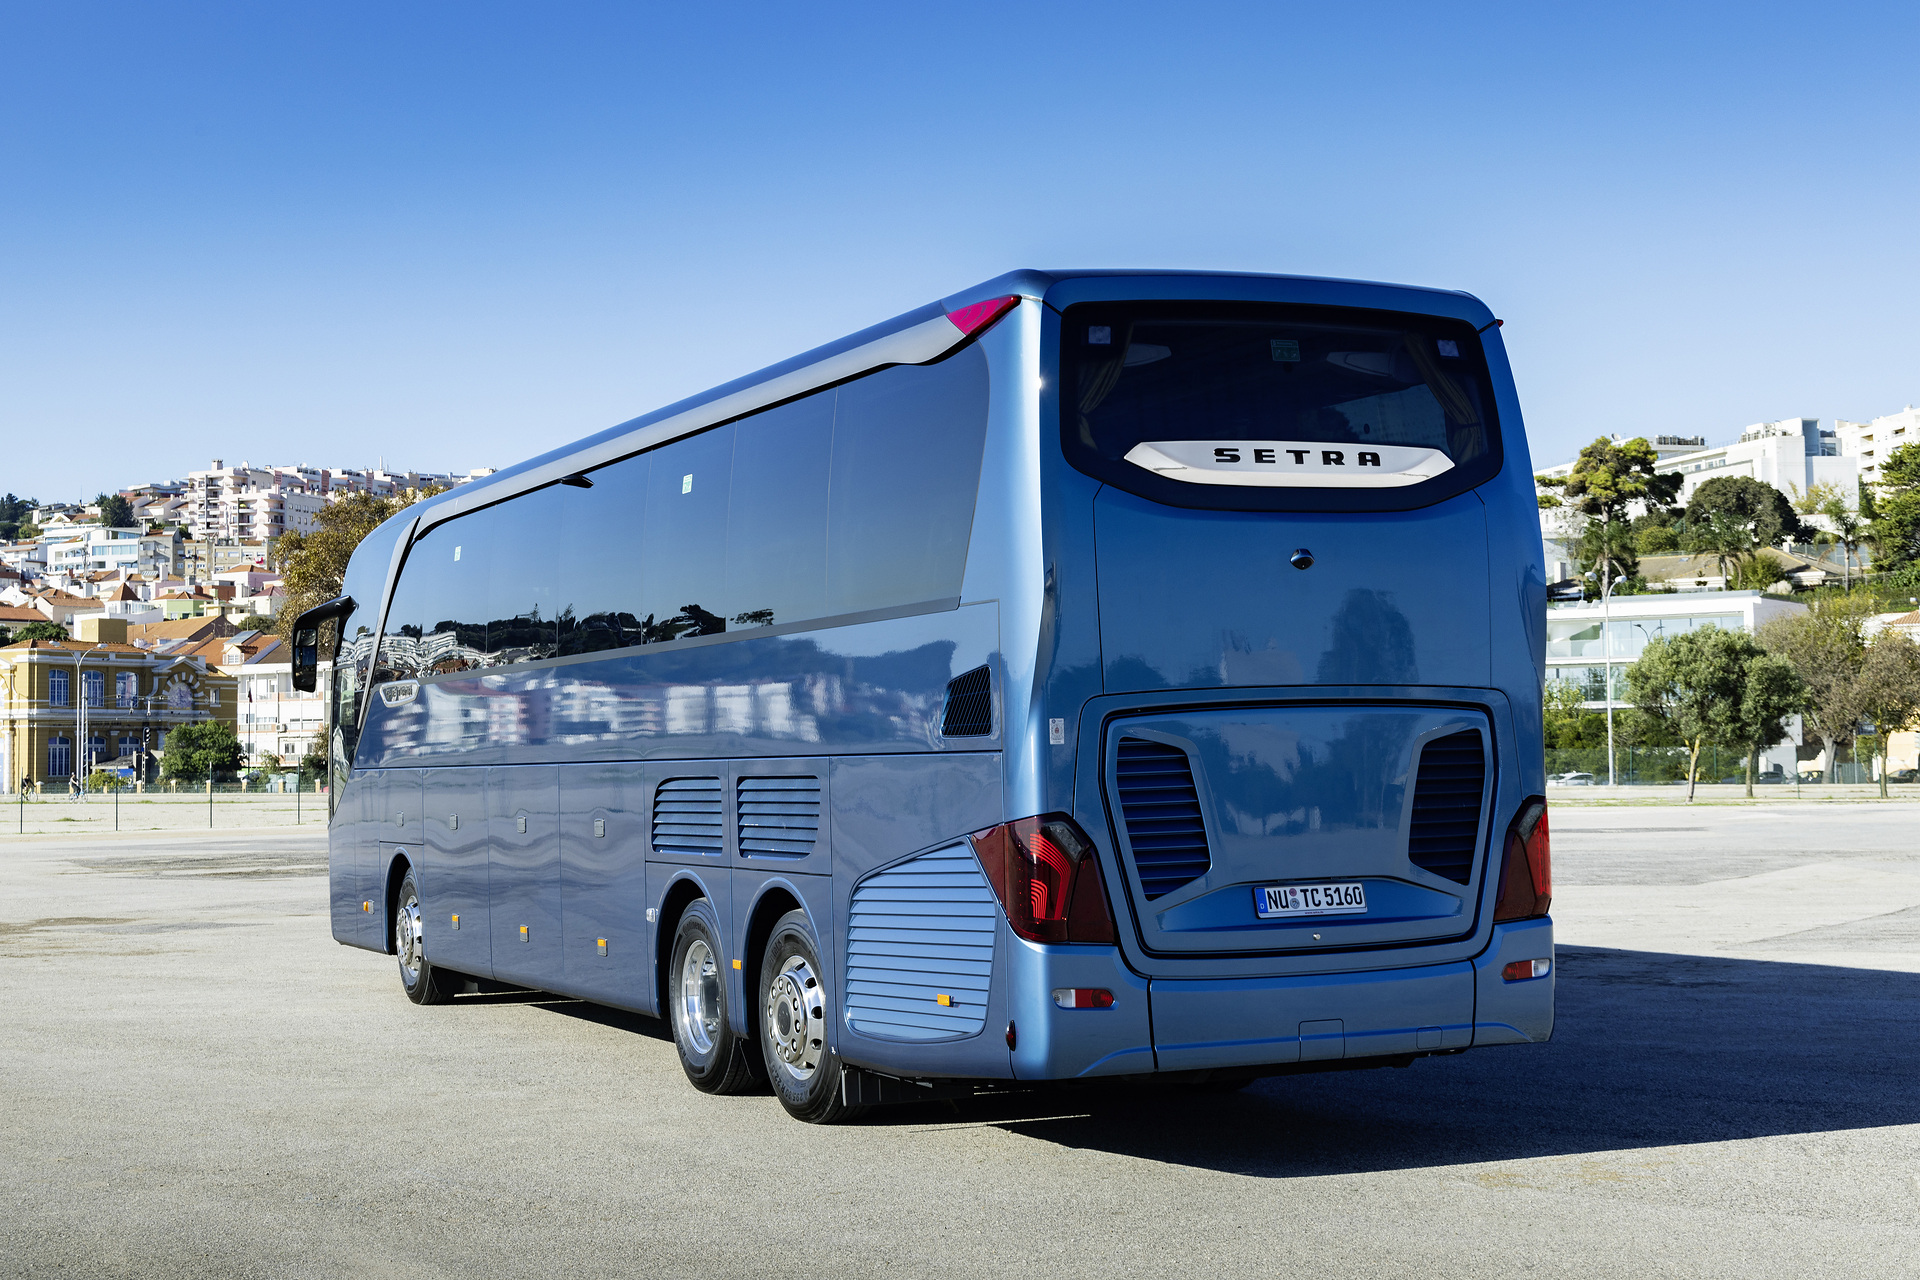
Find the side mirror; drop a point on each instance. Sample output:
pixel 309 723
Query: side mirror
pixel 306 640
pixel 1566 591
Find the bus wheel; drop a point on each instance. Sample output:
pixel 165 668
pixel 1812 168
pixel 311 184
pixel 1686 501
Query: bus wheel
pixel 715 1060
pixel 423 983
pixel 793 1040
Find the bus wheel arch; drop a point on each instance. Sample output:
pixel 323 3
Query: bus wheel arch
pixel 397 870
pixel 681 894
pixel 774 903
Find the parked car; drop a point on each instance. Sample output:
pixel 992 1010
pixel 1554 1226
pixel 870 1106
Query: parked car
pixel 1571 780
pixel 1902 775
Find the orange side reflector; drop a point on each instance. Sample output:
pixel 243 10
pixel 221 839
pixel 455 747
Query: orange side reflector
pixel 366 906
pixel 736 964
pixel 944 999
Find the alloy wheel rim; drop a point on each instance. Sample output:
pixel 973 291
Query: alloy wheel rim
pixel 699 1003
pixel 409 939
pixel 796 1018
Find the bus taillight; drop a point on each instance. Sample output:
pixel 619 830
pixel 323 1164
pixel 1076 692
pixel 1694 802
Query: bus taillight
pixel 1526 866
pixel 1047 877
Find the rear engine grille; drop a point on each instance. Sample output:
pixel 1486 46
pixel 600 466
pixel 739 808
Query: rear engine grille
pixel 969 705
pixel 777 817
pixel 1161 810
pixel 686 817
pixel 1446 806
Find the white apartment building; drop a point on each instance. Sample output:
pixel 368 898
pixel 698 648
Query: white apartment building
pixel 248 503
pixel 272 716
pixel 1586 640
pixel 1871 442
pixel 88 549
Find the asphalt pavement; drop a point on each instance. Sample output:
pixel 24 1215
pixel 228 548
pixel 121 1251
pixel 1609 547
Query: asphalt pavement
pixel 199 1082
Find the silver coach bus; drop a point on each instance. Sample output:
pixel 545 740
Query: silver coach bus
pixel 1094 674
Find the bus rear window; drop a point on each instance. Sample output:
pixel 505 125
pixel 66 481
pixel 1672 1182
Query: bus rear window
pixel 1248 407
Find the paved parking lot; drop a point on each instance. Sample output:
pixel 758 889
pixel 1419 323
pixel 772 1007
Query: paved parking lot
pixel 199 1082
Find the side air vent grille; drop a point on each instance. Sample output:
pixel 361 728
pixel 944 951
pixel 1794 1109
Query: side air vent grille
pixel 969 705
pixel 686 817
pixel 1161 810
pixel 920 948
pixel 777 817
pixel 1446 806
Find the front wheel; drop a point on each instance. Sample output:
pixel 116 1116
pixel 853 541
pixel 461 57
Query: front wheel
pixel 794 1009
pixel 423 983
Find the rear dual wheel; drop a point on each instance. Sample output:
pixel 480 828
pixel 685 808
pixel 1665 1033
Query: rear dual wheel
pixel 794 1008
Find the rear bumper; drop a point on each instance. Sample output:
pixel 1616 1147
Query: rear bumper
pixel 1192 1024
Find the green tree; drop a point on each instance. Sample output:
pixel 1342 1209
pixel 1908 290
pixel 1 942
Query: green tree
pixel 13 514
pixel 40 631
pixel 1825 647
pixel 196 751
pixel 315 563
pixel 1608 479
pixel 1694 684
pixel 1890 690
pixel 1892 510
pixel 1733 517
pixel 1569 723
pixel 313 765
pixel 1656 533
pixel 115 511
pixel 1770 692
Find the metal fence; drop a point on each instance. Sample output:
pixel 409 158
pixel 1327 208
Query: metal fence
pixel 1655 766
pixel 168 805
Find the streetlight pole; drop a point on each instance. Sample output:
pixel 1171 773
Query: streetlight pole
pixel 1606 656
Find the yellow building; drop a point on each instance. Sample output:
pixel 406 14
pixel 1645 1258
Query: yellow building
pixel 67 705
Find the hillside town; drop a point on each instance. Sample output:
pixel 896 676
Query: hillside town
pixel 129 617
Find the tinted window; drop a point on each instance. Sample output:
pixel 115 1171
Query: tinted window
pixel 906 466
pixel 597 572
pixel 777 514
pixel 524 543
pixel 1307 408
pixel 684 592
pixel 438 620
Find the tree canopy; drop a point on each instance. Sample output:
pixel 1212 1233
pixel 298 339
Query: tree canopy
pixel 1608 479
pixel 115 511
pixel 315 563
pixel 34 631
pixel 198 750
pixel 1893 513
pixel 1762 511
pixel 1825 648
pixel 1714 686
pixel 1890 689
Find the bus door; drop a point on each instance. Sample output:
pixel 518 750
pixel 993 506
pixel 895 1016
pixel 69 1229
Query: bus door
pixel 523 872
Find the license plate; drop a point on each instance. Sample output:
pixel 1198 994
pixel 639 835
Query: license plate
pixel 1272 902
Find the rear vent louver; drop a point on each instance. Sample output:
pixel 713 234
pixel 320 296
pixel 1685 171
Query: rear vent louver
pixel 686 817
pixel 1161 810
pixel 969 705
pixel 777 817
pixel 920 948
pixel 1444 833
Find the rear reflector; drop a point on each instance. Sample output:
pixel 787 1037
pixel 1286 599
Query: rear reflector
pixel 1519 970
pixel 971 320
pixel 1087 997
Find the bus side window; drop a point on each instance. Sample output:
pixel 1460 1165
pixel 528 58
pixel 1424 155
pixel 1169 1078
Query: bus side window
pixel 524 543
pixel 777 515
pixel 684 592
pixel 600 558
pixel 906 469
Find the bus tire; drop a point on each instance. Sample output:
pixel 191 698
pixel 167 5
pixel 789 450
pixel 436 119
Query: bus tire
pixel 423 983
pixel 794 1016
pixel 714 1058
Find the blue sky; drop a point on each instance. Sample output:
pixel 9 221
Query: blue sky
pixel 454 235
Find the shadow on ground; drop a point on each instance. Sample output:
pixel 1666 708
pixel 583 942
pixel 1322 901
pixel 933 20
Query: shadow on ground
pixel 1650 1050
